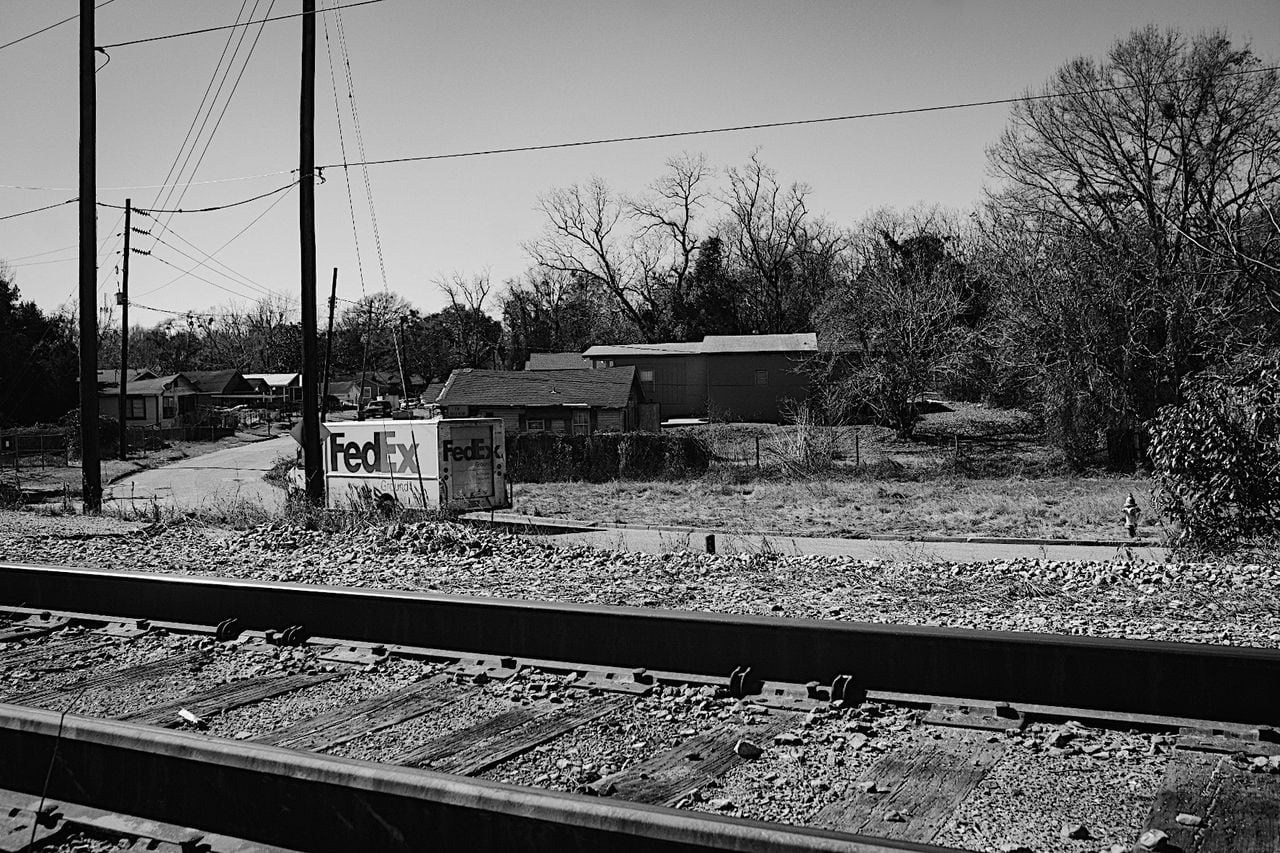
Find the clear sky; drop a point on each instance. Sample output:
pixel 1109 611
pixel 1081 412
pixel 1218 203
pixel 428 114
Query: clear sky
pixel 448 75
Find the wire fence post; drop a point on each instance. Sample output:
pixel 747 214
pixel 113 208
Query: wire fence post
pixel 757 453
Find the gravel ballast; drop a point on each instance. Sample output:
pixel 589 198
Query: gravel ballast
pixel 1187 602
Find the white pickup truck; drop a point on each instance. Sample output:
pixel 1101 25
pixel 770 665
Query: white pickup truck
pixel 449 463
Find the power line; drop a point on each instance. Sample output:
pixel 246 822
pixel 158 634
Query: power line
pixel 51 26
pixel 225 104
pixel 233 237
pixel 150 211
pixel 38 209
pixel 154 256
pixel 154 186
pixel 202 263
pixel 233 26
pixel 776 124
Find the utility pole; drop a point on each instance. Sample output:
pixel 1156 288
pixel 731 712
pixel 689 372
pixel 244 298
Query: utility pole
pixel 307 233
pixel 400 353
pixel 328 346
pixel 91 471
pixel 124 334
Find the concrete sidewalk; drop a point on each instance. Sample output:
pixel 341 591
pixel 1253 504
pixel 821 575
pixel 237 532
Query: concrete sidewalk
pixel 218 479
pixel 667 539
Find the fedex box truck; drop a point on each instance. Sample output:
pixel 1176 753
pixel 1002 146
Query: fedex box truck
pixel 442 463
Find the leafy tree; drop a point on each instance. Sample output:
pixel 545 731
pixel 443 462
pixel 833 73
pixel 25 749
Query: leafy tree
pixel 1216 455
pixel 39 365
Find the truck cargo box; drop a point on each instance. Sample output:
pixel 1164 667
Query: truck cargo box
pixel 450 463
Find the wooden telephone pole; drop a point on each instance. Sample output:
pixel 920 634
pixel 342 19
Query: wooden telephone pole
pixel 124 334
pixel 328 346
pixel 91 470
pixel 307 232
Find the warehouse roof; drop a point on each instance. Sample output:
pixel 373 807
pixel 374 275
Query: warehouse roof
pixel 608 388
pixel 713 345
pixel 555 361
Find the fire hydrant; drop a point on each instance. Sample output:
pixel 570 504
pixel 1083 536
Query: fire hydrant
pixel 1132 512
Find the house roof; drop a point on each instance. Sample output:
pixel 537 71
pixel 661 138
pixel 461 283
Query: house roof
pixel 801 342
pixel 608 388
pixel 112 377
pixel 156 386
pixel 432 392
pixel 219 382
pixel 276 380
pixel 714 345
pixel 607 350
pixel 555 361
pixel 345 385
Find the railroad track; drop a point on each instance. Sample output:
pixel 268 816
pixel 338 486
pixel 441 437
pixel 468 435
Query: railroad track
pixel 206 713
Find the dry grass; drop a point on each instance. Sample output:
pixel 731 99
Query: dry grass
pixel 1060 507
pixel 1001 480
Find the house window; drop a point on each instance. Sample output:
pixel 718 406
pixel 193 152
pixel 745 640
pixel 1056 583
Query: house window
pixel 581 422
pixel 170 407
pixel 646 375
pixel 536 425
pixel 137 409
pixel 762 377
pixel 366 393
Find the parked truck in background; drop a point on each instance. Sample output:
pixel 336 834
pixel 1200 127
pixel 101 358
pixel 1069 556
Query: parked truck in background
pixel 441 463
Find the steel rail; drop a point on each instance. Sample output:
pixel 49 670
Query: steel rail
pixel 303 801
pixel 1200 681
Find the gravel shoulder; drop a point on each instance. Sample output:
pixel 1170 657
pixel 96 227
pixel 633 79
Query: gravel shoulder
pixel 1186 602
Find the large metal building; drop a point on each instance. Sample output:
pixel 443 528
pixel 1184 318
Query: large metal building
pixel 735 377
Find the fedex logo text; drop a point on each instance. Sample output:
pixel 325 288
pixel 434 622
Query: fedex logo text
pixel 478 448
pixel 379 456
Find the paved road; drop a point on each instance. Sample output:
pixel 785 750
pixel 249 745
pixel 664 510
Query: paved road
pixel 217 480
pixel 663 541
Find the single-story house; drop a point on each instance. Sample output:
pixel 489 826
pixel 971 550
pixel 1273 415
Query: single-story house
pixel 349 391
pixel 578 402
pixel 222 388
pixel 112 377
pixel 743 377
pixel 283 390
pixel 556 361
pixel 163 401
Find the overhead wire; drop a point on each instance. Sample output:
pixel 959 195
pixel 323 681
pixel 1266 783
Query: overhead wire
pixel 233 26
pixel 51 26
pixel 228 242
pixel 176 210
pixel 644 137
pixel 178 157
pixel 212 104
pixel 38 209
pixel 202 264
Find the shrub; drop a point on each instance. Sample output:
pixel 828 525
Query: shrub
pixel 1216 456
pixel 547 458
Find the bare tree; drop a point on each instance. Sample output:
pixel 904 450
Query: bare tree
pixel 468 324
pixel 668 212
pixel 584 237
pixel 766 229
pixel 1156 172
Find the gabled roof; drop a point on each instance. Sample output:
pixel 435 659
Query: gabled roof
pixel 277 380
pixel 112 377
pixel 158 385
pixel 608 388
pixel 555 361
pixel 219 382
pixel 713 345
pixel 432 391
